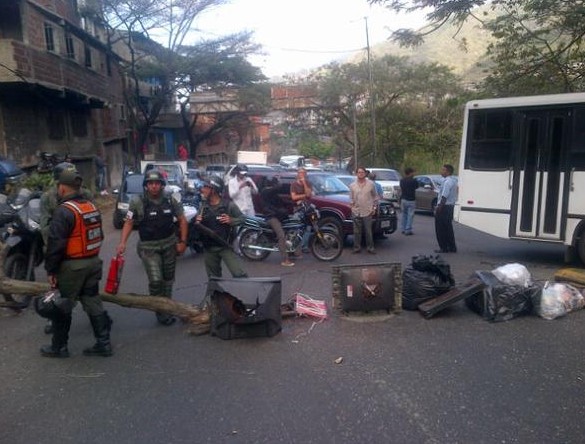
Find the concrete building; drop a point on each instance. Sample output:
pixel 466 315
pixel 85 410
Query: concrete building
pixel 60 87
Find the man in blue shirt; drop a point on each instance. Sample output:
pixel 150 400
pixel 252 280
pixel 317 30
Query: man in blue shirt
pixel 444 211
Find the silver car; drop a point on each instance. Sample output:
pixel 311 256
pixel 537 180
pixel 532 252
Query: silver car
pixel 427 191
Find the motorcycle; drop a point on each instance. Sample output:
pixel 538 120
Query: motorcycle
pixel 20 231
pixel 257 239
pixel 48 161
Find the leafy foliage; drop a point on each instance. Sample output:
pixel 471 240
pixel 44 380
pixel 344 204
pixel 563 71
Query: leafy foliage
pixel 537 46
pixel 415 114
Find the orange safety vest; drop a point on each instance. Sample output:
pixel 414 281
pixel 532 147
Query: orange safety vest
pixel 86 238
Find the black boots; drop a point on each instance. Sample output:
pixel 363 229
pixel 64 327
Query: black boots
pixel 101 329
pixel 58 346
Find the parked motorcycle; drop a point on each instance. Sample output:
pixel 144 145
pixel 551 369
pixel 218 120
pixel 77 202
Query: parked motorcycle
pixel 48 161
pixel 257 240
pixel 20 231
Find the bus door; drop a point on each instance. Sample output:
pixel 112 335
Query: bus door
pixel 539 185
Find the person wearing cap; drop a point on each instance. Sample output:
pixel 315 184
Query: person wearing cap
pixel 50 199
pixel 241 188
pixel 219 216
pixel 74 267
pixel 49 203
pixel 155 214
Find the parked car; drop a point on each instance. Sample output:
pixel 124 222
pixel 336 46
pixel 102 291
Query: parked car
pixel 218 170
pixel 390 181
pixel 331 197
pixel 427 191
pixel 347 179
pixel 10 173
pixel 131 187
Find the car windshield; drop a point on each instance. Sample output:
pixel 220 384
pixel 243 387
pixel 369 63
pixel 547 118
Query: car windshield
pixel 386 175
pixel 133 184
pixel 324 184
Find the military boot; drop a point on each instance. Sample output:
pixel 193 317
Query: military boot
pixel 101 325
pixel 58 346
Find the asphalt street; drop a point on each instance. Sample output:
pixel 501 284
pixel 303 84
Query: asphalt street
pixel 455 378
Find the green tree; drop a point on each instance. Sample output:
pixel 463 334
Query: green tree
pixel 411 106
pixel 175 67
pixel 538 44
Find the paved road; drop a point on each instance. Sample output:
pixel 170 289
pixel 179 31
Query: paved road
pixel 452 379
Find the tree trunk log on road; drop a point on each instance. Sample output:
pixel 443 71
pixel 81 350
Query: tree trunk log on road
pixel 189 314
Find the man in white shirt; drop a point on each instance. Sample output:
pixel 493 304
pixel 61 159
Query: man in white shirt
pixel 241 188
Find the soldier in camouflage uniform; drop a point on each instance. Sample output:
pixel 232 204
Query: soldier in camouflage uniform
pixel 50 200
pixel 219 216
pixel 155 213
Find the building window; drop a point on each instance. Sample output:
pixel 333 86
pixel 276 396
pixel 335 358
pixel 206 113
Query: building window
pixel 79 123
pixel 49 37
pixel 56 125
pixel 87 51
pixel 70 46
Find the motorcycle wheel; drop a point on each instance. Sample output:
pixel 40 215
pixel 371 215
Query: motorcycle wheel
pixel 253 237
pixel 15 268
pixel 326 245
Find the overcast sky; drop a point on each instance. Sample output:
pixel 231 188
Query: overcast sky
pixel 304 34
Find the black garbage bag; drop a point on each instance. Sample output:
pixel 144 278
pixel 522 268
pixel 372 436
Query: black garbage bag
pixel 433 264
pixel 427 278
pixel 500 301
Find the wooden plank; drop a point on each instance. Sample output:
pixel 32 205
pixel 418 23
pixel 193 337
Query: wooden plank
pixel 575 275
pixel 435 305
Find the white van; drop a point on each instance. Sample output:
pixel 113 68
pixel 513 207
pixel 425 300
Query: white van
pixel 390 181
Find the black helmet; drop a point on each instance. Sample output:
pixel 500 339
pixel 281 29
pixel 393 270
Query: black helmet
pixel 216 183
pixel 60 167
pixel 154 176
pixel 239 168
pixel 52 306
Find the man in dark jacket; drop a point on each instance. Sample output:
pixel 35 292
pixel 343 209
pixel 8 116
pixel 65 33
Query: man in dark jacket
pixel 408 186
pixel 74 267
pixel 275 212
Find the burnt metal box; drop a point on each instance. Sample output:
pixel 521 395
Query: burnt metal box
pixel 245 308
pixel 368 287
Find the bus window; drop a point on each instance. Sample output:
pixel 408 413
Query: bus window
pixel 489 144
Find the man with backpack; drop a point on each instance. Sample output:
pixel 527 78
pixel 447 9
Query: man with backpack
pixel 155 214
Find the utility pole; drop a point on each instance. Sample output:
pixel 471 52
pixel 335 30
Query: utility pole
pixel 372 96
pixel 355 138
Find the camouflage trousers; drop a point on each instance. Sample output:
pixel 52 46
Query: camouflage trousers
pixel 159 259
pixel 79 280
pixel 214 257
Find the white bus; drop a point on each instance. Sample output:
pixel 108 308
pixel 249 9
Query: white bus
pixel 522 169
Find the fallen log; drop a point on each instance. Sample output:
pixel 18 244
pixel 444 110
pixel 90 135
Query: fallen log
pixel 572 275
pixel 197 318
pixel 189 314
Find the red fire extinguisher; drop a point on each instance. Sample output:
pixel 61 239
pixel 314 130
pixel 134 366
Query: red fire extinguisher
pixel 114 274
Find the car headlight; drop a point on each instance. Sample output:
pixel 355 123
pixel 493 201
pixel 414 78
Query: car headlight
pixel 123 206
